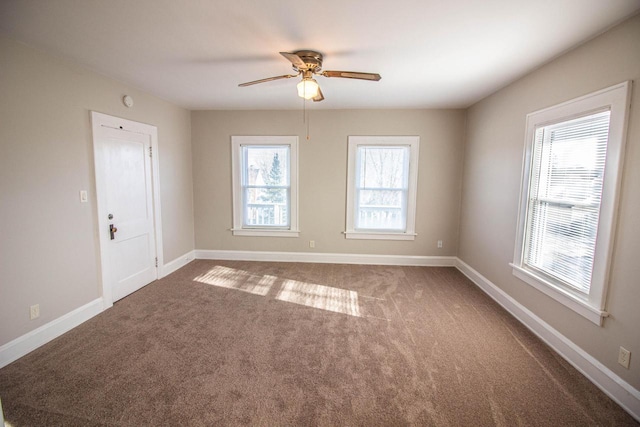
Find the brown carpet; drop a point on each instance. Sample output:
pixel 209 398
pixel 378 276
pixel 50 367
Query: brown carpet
pixel 273 344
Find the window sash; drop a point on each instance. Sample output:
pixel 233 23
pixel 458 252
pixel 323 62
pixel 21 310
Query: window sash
pixel 266 215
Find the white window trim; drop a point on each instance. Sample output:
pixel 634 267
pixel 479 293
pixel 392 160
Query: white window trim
pixel 413 142
pixel 236 170
pixel 617 99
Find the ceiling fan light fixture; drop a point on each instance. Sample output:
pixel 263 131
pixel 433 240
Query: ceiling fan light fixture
pixel 308 88
pixel 308 63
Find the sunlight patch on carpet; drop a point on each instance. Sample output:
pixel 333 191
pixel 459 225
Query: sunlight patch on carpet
pixel 320 296
pixel 231 278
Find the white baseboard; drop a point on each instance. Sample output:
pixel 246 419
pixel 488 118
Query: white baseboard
pixel 176 264
pixel 327 258
pixel 28 342
pixel 611 384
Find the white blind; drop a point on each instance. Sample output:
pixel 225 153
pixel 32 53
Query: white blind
pixel 564 199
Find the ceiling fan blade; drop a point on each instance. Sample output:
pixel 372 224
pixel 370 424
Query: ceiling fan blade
pixel 295 60
pixel 319 97
pixel 268 79
pixel 352 75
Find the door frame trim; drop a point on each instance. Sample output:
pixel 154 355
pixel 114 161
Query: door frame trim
pixel 98 120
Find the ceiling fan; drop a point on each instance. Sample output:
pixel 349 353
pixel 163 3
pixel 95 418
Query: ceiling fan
pixel 308 63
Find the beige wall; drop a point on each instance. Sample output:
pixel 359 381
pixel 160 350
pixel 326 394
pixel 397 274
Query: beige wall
pixel 323 180
pixel 48 244
pixel 49 248
pixel 493 161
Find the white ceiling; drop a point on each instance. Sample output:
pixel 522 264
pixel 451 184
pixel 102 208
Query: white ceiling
pixel 194 53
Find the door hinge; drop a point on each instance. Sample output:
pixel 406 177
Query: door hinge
pixel 156 261
pixel 150 151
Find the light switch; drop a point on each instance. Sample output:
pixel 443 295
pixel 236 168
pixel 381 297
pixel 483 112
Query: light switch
pixel 83 196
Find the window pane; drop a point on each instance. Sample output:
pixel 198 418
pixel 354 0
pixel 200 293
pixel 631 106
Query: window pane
pixel 381 209
pixel 266 207
pixel 267 166
pixel 565 245
pixel 565 195
pixel 382 167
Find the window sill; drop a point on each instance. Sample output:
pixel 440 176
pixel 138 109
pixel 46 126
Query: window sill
pixel 264 233
pixel 563 296
pixel 379 235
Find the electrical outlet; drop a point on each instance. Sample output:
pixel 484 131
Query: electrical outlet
pixel 624 357
pixel 312 243
pixel 34 311
pixel 439 244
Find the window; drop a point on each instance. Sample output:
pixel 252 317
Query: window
pixel 381 191
pixel 572 167
pixel 265 191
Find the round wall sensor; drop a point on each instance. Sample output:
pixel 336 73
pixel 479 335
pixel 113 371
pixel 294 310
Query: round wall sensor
pixel 128 101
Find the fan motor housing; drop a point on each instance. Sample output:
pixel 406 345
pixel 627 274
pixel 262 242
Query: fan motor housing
pixel 311 58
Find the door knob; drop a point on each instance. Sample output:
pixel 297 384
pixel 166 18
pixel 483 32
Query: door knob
pixel 112 231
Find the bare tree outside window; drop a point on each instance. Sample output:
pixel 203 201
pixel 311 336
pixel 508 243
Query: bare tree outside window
pixel 382 187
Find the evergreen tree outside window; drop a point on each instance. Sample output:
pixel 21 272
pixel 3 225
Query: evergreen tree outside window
pixel 266 193
pixel 274 193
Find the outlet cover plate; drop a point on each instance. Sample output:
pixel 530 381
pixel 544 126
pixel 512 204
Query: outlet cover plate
pixel 34 311
pixel 624 357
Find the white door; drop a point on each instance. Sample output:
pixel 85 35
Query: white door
pixel 126 210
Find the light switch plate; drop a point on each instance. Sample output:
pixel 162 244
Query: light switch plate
pixel 83 196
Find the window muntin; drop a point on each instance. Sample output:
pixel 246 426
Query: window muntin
pixel 382 180
pixel 568 198
pixel 265 185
